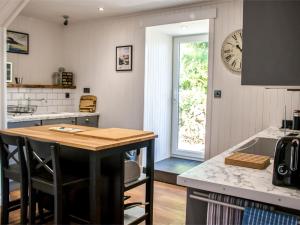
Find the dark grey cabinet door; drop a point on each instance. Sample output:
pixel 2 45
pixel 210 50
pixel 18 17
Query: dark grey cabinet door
pixel 24 124
pixel 271 46
pixel 91 121
pixel 59 121
pixel 196 211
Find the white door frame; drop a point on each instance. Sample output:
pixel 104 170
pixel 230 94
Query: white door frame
pixel 176 68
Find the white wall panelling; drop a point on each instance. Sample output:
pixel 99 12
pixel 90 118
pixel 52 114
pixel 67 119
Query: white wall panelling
pixel 158 89
pixel 90 53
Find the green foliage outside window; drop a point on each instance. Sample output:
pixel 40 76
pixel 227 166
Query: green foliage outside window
pixel 193 92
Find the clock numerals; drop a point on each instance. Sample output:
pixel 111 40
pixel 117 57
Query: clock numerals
pixel 232 51
pixel 228 58
pixel 233 64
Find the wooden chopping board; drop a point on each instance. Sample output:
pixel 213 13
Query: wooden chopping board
pixel 88 103
pixel 248 160
pixel 114 134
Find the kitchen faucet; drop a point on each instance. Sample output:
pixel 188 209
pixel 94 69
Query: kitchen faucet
pixel 29 101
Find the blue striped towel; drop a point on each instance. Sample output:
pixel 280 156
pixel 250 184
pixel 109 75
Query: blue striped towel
pixel 255 216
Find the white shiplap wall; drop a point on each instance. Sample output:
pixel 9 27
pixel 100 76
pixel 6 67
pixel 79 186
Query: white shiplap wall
pixel 158 89
pixel 243 110
pixel 90 52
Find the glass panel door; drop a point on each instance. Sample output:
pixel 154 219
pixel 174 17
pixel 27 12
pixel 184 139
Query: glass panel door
pixel 190 84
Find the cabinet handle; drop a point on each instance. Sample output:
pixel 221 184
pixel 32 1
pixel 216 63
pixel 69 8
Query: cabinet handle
pixel 87 120
pixel 203 199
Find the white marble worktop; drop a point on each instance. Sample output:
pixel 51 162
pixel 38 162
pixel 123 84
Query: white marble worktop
pixel 46 116
pixel 214 176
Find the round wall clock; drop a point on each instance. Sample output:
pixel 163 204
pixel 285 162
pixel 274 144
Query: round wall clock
pixel 232 51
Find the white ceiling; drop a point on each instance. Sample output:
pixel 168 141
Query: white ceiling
pixel 52 10
pixel 184 28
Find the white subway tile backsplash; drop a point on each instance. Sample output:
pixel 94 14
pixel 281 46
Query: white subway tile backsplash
pixel 42 109
pixel 52 109
pixel 17 96
pixel 61 96
pixel 54 99
pixel 58 90
pixel 12 102
pixel 8 96
pixel 30 95
pixel 36 90
pixel 12 90
pixel 52 96
pixel 41 96
pixel 46 90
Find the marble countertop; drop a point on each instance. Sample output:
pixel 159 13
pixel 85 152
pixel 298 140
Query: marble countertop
pixel 46 116
pixel 214 176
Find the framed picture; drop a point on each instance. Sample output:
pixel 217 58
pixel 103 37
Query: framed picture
pixel 17 42
pixel 124 58
pixel 9 72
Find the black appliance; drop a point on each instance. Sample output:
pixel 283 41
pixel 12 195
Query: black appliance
pixel 286 162
pixel 296 120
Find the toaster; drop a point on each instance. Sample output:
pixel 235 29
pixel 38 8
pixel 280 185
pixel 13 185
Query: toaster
pixel 286 162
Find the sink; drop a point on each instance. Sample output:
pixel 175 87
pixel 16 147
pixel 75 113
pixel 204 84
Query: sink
pixel 260 146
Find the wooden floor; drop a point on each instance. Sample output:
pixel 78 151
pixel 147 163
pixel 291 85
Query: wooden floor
pixel 169 203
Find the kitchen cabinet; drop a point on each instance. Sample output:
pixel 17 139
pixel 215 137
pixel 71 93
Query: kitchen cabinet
pixel 197 206
pixel 24 124
pixel 91 121
pixel 195 209
pixel 58 121
pixel 271 46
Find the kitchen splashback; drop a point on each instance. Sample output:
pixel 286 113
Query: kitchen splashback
pixel 48 100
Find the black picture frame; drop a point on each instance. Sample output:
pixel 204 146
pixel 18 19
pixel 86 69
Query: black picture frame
pixel 10 40
pixel 128 49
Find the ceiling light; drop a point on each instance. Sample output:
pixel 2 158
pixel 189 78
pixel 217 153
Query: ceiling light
pixel 101 9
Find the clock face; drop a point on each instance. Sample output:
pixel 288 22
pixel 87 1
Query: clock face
pixel 232 51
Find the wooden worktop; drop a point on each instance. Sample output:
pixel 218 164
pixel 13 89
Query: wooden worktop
pixel 74 140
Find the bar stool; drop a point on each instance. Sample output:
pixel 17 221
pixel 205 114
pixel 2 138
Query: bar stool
pixel 13 167
pixel 45 175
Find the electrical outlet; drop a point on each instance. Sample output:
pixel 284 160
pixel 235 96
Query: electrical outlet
pixel 217 93
pixel 67 95
pixel 86 90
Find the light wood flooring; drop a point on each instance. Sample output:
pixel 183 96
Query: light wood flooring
pixel 169 203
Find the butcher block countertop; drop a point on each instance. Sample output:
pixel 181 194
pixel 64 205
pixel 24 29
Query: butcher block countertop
pixel 92 142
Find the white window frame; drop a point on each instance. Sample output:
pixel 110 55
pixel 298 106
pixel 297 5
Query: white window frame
pixel 175 152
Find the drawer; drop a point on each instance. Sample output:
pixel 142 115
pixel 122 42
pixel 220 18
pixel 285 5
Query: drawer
pixel 58 121
pixel 90 121
pixel 24 124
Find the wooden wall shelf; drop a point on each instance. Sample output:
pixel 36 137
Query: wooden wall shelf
pixel 39 86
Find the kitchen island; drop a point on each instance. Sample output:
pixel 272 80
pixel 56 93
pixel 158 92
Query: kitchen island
pixel 106 165
pixel 213 176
